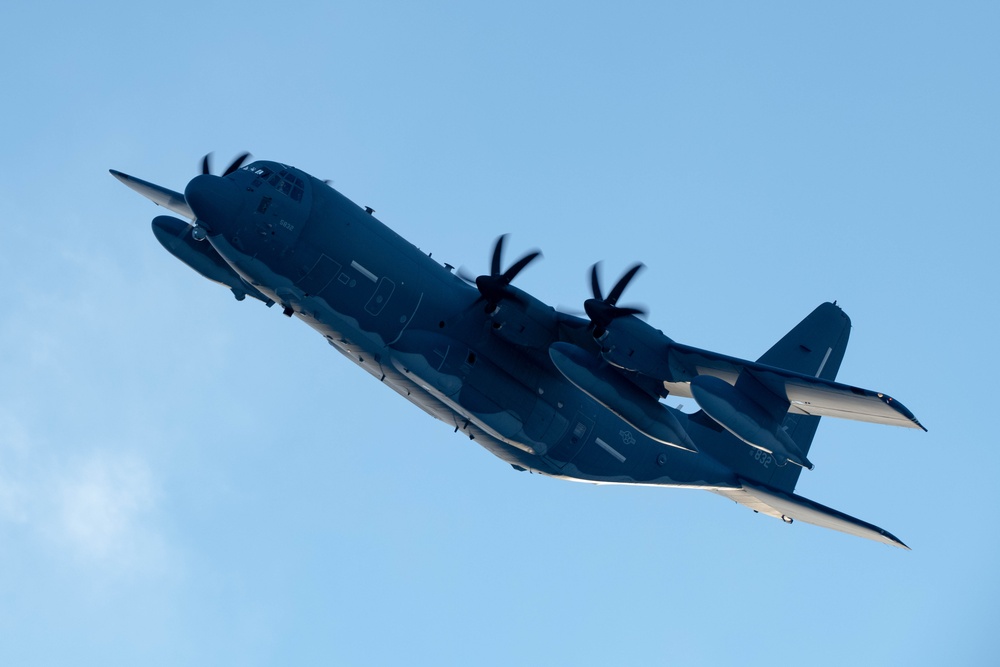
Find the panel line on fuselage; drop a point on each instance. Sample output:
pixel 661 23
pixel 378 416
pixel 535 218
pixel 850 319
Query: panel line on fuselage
pixel 407 322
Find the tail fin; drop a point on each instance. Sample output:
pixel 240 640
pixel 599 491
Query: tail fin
pixel 815 347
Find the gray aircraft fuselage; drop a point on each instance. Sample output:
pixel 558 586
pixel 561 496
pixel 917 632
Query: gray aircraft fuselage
pixel 420 329
pixel 544 391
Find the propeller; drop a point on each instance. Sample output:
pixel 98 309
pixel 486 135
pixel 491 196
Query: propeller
pixel 603 311
pixel 206 163
pixel 199 230
pixel 493 288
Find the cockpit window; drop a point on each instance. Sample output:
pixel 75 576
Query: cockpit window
pixel 288 184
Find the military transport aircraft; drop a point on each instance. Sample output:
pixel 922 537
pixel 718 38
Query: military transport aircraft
pixel 560 395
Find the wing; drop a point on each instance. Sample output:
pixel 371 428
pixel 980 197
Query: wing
pixel 157 193
pixel 797 374
pixel 788 507
pixel 806 395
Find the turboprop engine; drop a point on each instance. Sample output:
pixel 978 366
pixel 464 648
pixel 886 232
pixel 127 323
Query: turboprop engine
pixel 179 238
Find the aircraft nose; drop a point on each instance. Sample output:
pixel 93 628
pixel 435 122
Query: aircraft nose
pixel 215 201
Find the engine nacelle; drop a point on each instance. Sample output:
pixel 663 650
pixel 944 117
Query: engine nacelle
pixel 178 237
pixel 633 345
pixel 609 388
pixel 524 320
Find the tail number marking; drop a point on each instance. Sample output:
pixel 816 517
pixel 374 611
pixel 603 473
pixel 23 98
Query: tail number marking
pixel 761 457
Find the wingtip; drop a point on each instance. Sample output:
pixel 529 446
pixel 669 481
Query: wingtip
pixel 893 540
pixel 157 194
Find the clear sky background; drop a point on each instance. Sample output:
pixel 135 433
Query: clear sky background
pixel 185 479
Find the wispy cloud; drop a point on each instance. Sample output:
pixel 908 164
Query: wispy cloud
pixel 101 504
pixel 96 507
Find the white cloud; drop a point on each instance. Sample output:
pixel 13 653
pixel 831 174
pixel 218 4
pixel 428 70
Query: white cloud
pixel 101 504
pixel 97 506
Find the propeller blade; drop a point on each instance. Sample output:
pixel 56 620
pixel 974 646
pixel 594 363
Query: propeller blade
pixel 622 311
pixel 493 286
pixel 622 283
pixel 206 163
pixel 465 275
pixel 602 312
pixel 595 283
pixel 509 274
pixel 236 164
pixel 497 252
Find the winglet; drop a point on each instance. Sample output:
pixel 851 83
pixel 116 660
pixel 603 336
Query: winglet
pixel 901 409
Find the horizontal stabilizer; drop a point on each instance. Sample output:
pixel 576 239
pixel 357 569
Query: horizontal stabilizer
pixel 788 506
pixel 810 396
pixel 158 194
pixel 807 395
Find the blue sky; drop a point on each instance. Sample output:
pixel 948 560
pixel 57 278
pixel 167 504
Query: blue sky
pixel 185 479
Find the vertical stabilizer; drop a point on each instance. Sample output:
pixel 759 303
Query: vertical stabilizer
pixel 815 347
